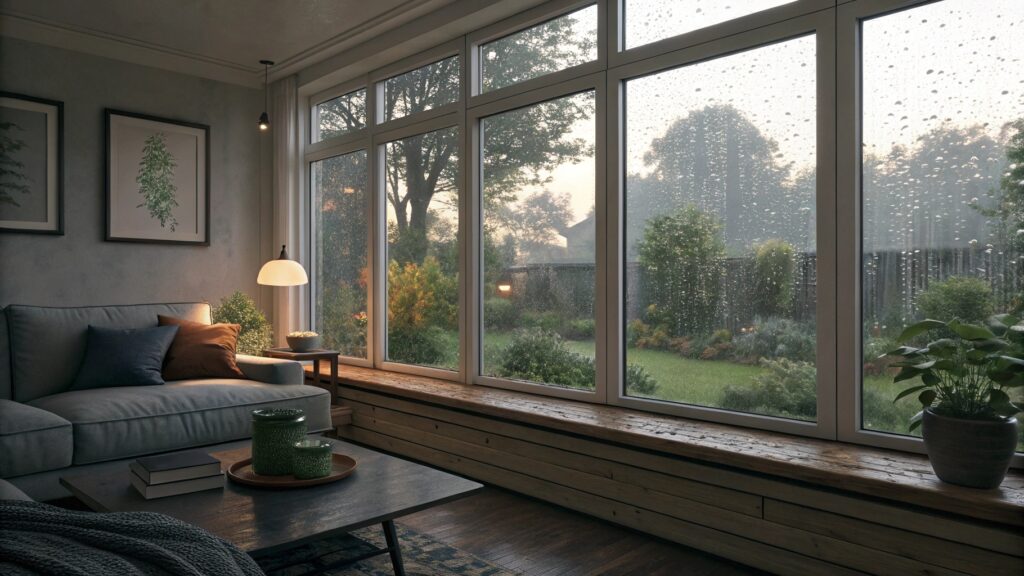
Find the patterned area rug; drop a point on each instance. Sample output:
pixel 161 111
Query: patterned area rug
pixel 422 555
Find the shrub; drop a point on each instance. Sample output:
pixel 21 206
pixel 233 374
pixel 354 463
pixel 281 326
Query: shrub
pixel 500 313
pixel 773 278
pixel 549 321
pixel 721 336
pixel 542 356
pixel 875 360
pixel 681 259
pixel 342 318
pixel 963 297
pixel 787 388
pixel 256 335
pixel 427 345
pixel 639 382
pixel 421 295
pixel 579 329
pixel 777 338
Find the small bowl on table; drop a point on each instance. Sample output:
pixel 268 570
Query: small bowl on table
pixel 312 458
pixel 303 341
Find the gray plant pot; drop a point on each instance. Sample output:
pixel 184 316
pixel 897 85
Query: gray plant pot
pixel 974 453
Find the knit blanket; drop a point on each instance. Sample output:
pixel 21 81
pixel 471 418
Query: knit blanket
pixel 39 539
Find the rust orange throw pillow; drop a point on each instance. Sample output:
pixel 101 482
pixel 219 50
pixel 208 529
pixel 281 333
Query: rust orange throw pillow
pixel 201 350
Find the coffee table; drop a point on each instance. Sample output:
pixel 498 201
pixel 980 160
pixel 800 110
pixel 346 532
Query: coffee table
pixel 264 521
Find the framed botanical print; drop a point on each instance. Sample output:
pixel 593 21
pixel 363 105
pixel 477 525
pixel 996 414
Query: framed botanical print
pixel 31 164
pixel 158 180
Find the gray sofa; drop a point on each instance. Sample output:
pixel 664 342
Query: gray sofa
pixel 47 431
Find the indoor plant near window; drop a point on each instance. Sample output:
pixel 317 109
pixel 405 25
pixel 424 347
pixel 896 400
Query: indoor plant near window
pixel 961 379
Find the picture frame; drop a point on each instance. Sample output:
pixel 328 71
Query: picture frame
pixel 157 179
pixel 31 164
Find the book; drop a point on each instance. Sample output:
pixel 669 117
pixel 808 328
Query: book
pixel 175 467
pixel 151 491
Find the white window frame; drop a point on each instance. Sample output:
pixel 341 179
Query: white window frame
pixel 836 25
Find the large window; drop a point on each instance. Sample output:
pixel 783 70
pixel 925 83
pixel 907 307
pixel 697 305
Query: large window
pixel 692 207
pixel 539 242
pixel 560 43
pixel 720 241
pixel 339 191
pixel 421 190
pixel 943 118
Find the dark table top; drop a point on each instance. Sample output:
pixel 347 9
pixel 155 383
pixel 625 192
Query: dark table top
pixel 261 520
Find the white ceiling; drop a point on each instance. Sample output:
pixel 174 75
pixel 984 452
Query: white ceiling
pixel 225 37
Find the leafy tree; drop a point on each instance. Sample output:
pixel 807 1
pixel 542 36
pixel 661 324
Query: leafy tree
pixel 718 161
pixel 156 180
pixel 12 176
pixel 773 278
pixel 534 221
pixel 960 297
pixel 681 257
pixel 1008 212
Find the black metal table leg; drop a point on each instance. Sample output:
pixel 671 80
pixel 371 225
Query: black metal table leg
pixel 391 537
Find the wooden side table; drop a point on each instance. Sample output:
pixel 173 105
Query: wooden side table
pixel 316 356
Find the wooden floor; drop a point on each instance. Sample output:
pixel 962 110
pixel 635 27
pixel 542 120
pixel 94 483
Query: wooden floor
pixel 540 539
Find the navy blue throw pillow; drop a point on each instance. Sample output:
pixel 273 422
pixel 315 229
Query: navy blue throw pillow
pixel 124 357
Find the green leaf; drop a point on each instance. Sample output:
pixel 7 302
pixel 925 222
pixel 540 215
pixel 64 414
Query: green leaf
pixel 904 351
pixel 991 344
pixel 908 392
pixel 970 331
pixel 1011 360
pixel 931 379
pixel 1000 403
pixel 919 328
pixel 1006 319
pixel 906 373
pixel 915 421
pixel 977 357
pixel 927 398
pixel 926 365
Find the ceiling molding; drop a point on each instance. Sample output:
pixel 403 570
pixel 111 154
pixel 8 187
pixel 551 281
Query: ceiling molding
pixel 78 39
pixel 81 39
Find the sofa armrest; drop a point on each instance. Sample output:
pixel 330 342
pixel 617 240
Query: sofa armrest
pixel 9 491
pixel 271 370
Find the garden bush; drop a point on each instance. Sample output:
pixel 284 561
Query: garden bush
pixel 549 320
pixel 427 345
pixel 541 356
pixel 682 261
pixel 876 362
pixel 500 313
pixel 579 329
pixel 773 278
pixel 776 338
pixel 341 319
pixel 787 388
pixel 963 297
pixel 422 295
pixel 256 335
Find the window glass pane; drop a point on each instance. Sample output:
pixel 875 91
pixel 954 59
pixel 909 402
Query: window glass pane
pixel 339 115
pixel 539 241
pixel 422 89
pixel 422 192
pixel 942 179
pixel 720 232
pixel 555 45
pixel 339 193
pixel 648 21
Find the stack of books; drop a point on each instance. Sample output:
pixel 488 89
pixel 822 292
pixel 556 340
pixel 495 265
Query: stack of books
pixel 178 473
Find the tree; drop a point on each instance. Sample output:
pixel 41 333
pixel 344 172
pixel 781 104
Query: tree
pixel 1008 212
pixel 12 175
pixel 681 257
pixel 718 161
pixel 774 265
pixel 534 221
pixel 156 181
pixel 422 168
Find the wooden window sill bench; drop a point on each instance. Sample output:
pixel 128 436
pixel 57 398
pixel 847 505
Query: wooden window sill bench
pixel 609 461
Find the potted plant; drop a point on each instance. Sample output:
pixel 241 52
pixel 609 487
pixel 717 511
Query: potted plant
pixel 961 378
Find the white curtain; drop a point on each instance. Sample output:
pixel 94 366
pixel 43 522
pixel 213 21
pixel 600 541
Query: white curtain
pixel 289 222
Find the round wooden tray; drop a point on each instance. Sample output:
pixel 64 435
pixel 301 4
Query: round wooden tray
pixel 241 472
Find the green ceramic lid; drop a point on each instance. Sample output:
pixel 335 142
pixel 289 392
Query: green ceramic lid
pixel 279 415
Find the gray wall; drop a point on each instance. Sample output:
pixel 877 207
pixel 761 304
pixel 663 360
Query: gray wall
pixel 80 268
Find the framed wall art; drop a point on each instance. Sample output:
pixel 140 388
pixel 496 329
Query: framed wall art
pixel 31 164
pixel 158 180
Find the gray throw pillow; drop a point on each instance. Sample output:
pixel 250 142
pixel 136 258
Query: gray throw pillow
pixel 115 357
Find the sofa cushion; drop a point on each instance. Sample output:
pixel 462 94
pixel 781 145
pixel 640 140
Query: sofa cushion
pixel 112 423
pixel 32 440
pixel 5 359
pixel 47 344
pixel 201 350
pixel 116 357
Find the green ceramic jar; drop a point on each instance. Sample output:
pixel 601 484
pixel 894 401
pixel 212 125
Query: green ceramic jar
pixel 311 459
pixel 274 434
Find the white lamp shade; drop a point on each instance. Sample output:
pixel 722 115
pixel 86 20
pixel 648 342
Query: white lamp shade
pixel 282 272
